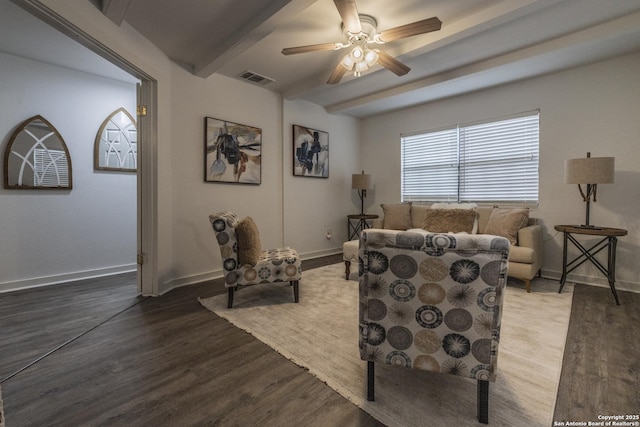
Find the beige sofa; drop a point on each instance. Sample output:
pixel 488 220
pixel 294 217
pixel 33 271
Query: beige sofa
pixel 525 255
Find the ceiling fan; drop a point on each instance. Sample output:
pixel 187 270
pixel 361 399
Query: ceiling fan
pixel 361 31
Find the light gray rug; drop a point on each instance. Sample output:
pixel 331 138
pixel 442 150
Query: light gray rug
pixel 321 334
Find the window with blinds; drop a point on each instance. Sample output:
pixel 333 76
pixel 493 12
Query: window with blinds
pixel 488 162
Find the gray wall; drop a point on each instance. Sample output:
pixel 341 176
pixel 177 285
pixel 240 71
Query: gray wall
pixel 592 108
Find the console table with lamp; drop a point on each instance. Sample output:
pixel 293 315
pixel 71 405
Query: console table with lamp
pixel 590 171
pixel 358 222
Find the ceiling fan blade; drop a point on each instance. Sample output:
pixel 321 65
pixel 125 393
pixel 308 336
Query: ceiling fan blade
pixel 392 64
pixel 337 74
pixel 413 29
pixel 311 48
pixel 349 14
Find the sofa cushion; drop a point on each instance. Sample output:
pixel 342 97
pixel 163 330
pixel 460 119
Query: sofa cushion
pixel 397 217
pixel 449 220
pixel 249 247
pixel 506 222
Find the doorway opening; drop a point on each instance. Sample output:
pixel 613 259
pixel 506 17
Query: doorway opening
pixel 146 217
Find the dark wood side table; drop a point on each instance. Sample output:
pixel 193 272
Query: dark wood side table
pixel 609 241
pixel 356 223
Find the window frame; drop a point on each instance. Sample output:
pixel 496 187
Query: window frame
pixel 449 177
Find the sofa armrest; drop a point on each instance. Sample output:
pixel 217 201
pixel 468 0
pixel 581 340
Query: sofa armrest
pixel 531 237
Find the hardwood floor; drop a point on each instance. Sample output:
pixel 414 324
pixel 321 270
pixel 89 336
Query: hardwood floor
pixel 36 321
pixel 601 366
pixel 161 361
pixel 133 361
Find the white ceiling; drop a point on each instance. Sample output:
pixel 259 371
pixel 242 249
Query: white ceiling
pixel 482 43
pixel 21 34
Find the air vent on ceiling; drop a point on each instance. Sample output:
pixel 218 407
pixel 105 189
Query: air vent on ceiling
pixel 255 78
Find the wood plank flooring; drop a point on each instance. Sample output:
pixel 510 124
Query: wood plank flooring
pixel 163 361
pixel 35 321
pixel 168 361
pixel 601 365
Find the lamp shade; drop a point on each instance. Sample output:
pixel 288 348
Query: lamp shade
pixel 589 170
pixel 361 181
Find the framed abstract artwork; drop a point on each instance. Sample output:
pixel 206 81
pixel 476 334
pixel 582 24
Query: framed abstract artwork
pixel 232 152
pixel 310 152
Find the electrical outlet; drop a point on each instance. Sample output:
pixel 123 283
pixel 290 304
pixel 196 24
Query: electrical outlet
pixel 328 234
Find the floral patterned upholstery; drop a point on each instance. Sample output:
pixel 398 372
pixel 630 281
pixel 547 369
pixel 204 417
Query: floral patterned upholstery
pixel 433 302
pixel 274 265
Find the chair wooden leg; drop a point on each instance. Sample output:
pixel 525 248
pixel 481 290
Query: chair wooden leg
pixel 230 299
pixel 347 269
pixel 483 401
pixel 296 294
pixel 370 381
pixel 527 284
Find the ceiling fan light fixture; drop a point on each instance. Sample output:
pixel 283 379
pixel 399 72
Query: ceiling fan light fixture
pixel 360 59
pixel 347 62
pixel 361 66
pixel 370 57
pixel 357 53
pixel 361 32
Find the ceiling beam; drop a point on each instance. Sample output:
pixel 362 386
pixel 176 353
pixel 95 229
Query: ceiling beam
pixel 115 10
pixel 261 25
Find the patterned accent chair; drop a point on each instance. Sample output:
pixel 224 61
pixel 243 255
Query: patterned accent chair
pixel 432 302
pixel 273 265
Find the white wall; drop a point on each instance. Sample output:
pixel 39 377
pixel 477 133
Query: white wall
pixel 314 204
pixel 49 236
pixel 196 253
pixel 187 251
pixel 593 108
pixel 291 211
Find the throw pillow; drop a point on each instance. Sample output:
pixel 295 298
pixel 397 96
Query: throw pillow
pixel 417 215
pixel 397 217
pixel 248 238
pixel 506 222
pixel 459 206
pixel 449 220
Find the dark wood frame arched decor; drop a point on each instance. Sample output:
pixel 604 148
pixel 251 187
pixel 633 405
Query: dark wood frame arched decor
pixel 109 137
pixel 37 146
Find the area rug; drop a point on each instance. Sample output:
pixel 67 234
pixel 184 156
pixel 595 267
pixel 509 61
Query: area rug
pixel 321 334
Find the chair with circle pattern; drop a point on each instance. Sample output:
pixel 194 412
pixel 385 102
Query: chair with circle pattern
pixel 273 265
pixel 432 302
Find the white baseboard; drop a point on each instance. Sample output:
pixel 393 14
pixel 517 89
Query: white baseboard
pixel 189 280
pixel 601 281
pixel 37 282
pixel 320 254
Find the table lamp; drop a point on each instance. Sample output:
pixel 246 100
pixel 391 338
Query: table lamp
pixel 589 171
pixel 362 182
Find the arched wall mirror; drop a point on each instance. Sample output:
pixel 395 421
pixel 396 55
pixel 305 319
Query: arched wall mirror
pixel 116 146
pixel 37 157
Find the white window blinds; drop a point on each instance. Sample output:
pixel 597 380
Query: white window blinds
pixel 488 162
